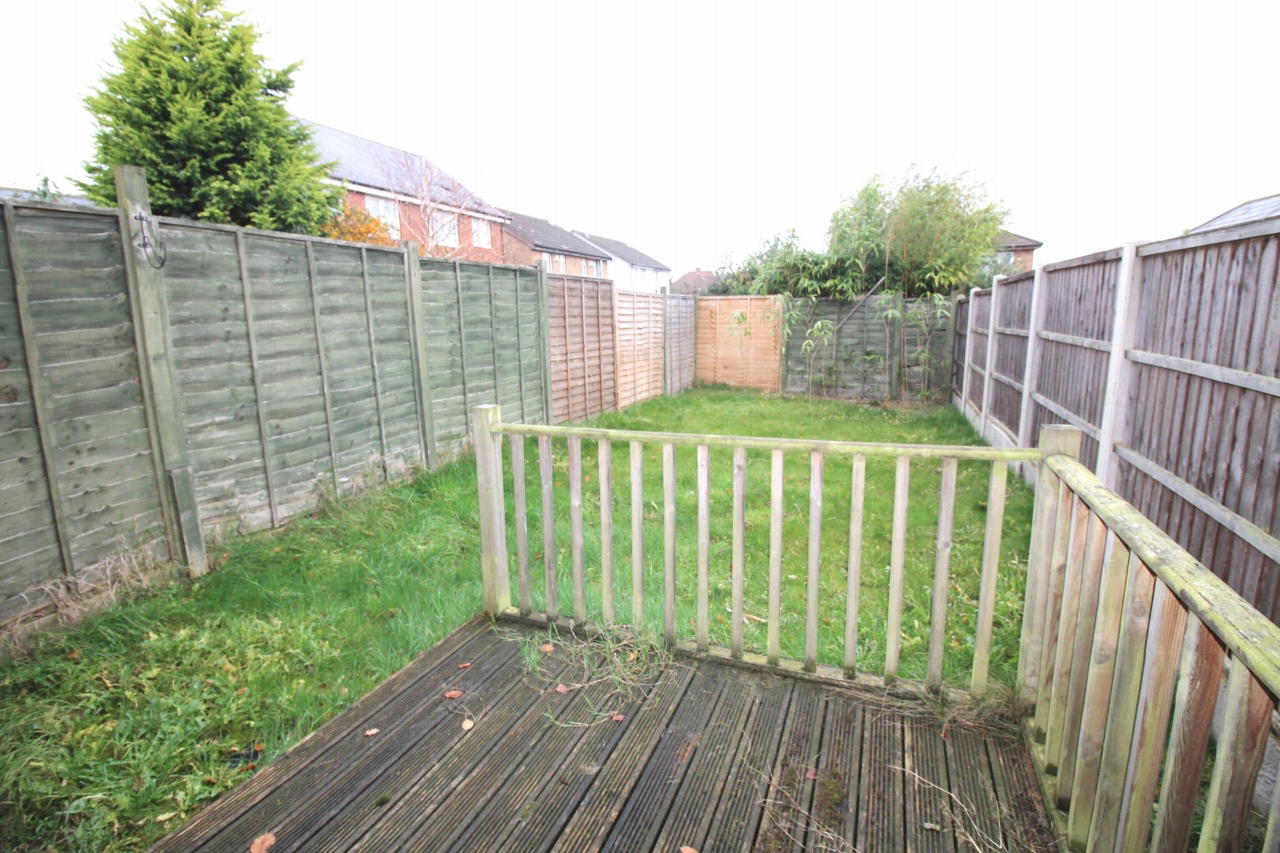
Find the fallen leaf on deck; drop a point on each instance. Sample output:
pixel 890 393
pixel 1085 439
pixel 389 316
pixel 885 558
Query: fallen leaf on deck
pixel 464 665
pixel 811 774
pixel 560 688
pixel 453 694
pixel 468 724
pixel 932 827
pixel 371 732
pixel 546 648
pixel 262 843
pixel 617 718
pixel 685 848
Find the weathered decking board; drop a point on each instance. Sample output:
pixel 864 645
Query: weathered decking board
pixel 708 755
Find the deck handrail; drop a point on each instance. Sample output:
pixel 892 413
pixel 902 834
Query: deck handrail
pixel 1126 638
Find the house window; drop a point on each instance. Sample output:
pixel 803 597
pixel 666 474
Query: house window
pixel 558 263
pixel 589 268
pixel 480 237
pixel 444 226
pixel 387 211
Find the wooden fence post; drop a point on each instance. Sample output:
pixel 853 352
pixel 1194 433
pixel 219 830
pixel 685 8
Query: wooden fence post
pixel 993 308
pixel 421 369
pixel 968 356
pixel 544 332
pixel 1124 330
pixel 155 353
pixel 950 345
pixel 493 523
pixel 896 367
pixel 1032 367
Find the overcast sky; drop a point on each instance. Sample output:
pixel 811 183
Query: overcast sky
pixel 695 131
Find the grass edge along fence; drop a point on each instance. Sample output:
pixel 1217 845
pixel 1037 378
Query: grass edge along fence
pixel 1105 681
pixel 1166 356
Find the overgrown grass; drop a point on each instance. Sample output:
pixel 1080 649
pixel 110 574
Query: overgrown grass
pixel 113 732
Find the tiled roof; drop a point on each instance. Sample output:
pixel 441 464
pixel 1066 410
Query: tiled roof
pixel 545 237
pixel 1007 241
pixel 372 164
pixel 1250 211
pixel 623 252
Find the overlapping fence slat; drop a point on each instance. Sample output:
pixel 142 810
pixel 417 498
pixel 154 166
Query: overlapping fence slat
pixel 682 344
pixel 978 340
pixel 1011 331
pixel 583 375
pixel 740 341
pixel 640 340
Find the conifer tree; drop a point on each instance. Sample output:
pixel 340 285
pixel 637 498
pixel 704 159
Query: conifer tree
pixel 194 104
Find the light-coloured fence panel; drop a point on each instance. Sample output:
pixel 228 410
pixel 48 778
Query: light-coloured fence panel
pixel 740 341
pixel 1011 332
pixel 640 338
pixel 583 374
pixel 80 475
pixel 682 342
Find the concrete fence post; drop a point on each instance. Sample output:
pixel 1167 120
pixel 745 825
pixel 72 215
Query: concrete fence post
pixel 1124 330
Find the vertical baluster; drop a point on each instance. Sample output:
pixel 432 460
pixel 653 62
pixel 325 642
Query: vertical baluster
pixel 941 574
pixel 669 543
pixel 1075 673
pixel 605 452
pixel 1155 701
pixel 1271 843
pixel 637 535
pixel 739 548
pixel 1056 583
pixel 1098 669
pixel 575 529
pixel 1241 745
pixel 1113 788
pixel 854 581
pixel 704 542
pixel 1199 674
pixel 522 525
pixel 549 526
pixel 815 560
pixel 990 570
pixel 1082 527
pixel 897 562
pixel 774 626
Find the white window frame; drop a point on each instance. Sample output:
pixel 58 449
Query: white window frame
pixel 559 263
pixel 444 228
pixel 386 211
pixel 481 226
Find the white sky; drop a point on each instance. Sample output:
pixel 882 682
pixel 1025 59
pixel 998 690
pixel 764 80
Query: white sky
pixel 695 131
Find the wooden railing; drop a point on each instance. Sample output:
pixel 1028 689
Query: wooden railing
pixel 1126 639
pixel 488 432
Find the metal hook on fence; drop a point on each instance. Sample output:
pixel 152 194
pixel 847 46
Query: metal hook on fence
pixel 156 253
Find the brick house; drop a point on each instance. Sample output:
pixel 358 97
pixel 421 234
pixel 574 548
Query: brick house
pixel 630 268
pixel 529 240
pixel 694 282
pixel 1016 249
pixel 415 198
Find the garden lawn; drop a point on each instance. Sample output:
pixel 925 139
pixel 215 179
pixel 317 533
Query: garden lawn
pixel 115 731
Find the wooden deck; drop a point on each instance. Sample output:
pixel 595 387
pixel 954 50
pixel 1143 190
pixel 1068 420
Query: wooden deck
pixel 706 755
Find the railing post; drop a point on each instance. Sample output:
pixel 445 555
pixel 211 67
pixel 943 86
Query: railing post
pixel 493 522
pixel 1055 440
pixel 1124 330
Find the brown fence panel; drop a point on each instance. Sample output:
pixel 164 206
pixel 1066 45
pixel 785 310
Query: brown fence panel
pixel 1075 346
pixel 979 322
pixel 1215 309
pixel 740 341
pixel 959 346
pixel 1013 324
pixel 583 375
pixel 80 479
pixel 682 342
pixel 640 340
